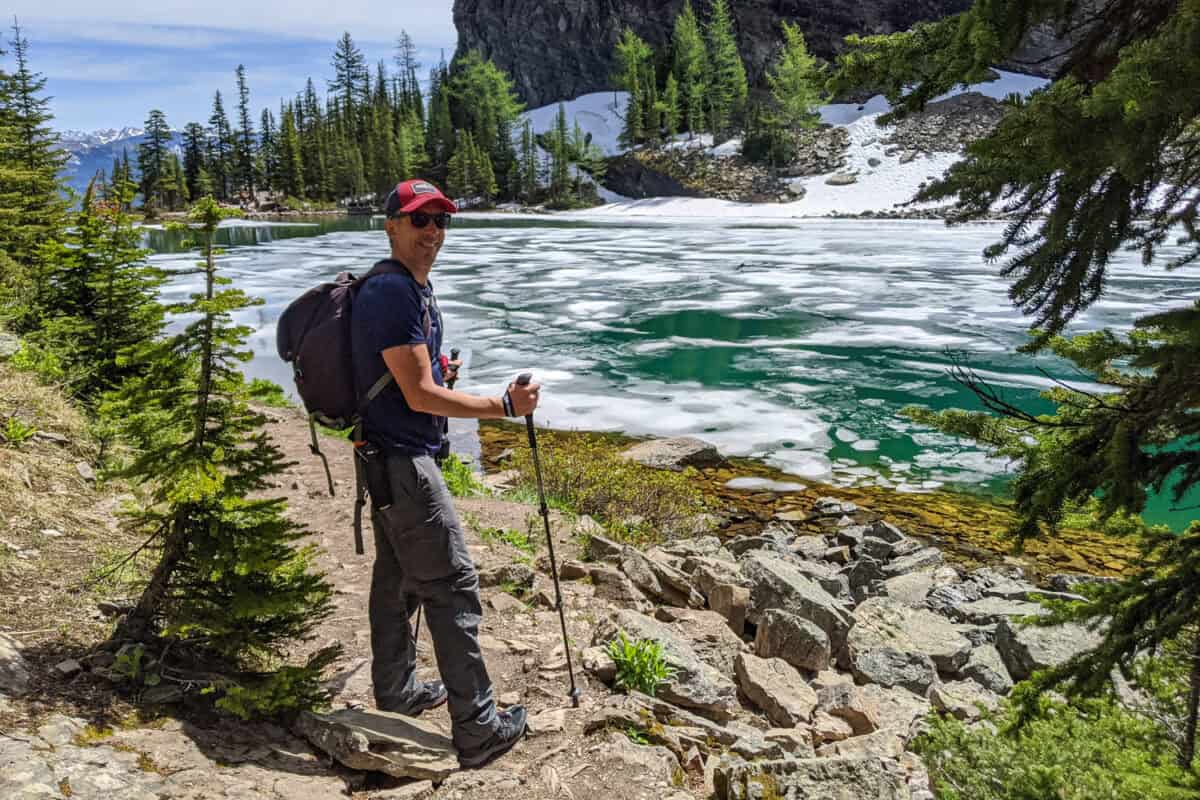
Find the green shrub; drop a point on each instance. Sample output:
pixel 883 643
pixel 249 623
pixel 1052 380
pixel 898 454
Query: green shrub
pixel 641 664
pixel 460 479
pixel 587 474
pixel 1093 749
pixel 268 393
pixel 17 433
pixel 521 541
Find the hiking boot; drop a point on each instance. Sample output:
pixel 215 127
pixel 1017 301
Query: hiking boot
pixel 509 731
pixel 427 695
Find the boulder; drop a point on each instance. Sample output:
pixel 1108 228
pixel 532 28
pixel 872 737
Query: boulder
pixel 966 700
pixel 887 667
pixel 600 547
pixel 659 581
pixel 14 671
pixel 612 585
pixel 775 583
pixel 853 705
pixel 921 559
pixel 1027 648
pixel 986 667
pixel 709 571
pixel 732 603
pixel 799 642
pixel 988 610
pixel 674 454
pixel 911 589
pixel 841 179
pixel 696 684
pixel 841 778
pixel 706 546
pixel 827 576
pixel 518 574
pixel 812 548
pixel 377 741
pixel 945 600
pixel 797 741
pixel 777 688
pixel 884 744
pixel 828 728
pixel 882 623
pixel 708 633
pixel 899 709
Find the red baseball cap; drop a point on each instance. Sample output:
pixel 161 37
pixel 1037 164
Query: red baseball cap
pixel 408 196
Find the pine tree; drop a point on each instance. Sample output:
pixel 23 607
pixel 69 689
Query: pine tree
pixel 689 59
pixel 351 76
pixel 291 161
pixel 439 137
pixel 669 107
pixel 482 100
pixel 407 66
pixel 267 165
pixel 220 159
pixel 153 153
pixel 632 54
pixel 727 88
pixel 244 140
pixel 195 146
pixel 232 582
pixel 528 164
pixel 1103 159
pixel 560 174
pixel 796 82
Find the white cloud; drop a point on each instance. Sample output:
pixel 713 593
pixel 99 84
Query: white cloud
pixel 191 24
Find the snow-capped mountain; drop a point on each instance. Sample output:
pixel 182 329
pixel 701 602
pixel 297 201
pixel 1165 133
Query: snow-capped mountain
pixel 90 152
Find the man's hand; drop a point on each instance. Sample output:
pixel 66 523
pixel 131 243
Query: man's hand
pixel 451 372
pixel 524 398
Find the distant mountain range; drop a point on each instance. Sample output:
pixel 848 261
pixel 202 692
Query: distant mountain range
pixel 88 153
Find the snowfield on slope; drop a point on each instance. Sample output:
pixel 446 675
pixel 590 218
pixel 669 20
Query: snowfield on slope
pixel 879 188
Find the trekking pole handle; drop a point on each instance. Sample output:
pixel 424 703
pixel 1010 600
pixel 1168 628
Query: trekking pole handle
pixel 524 378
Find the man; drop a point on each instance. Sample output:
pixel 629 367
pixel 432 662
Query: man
pixel 421 557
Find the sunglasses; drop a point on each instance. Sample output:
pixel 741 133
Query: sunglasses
pixel 420 219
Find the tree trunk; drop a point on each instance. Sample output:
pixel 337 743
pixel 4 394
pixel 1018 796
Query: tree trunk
pixel 1188 752
pixel 138 626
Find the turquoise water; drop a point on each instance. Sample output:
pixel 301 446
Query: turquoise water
pixel 796 343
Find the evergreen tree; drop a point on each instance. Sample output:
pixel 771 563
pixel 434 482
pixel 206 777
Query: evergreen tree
pixel 407 65
pixel 1127 90
pixel 727 88
pixel 689 59
pixel 560 154
pixel 221 154
pixel 350 76
pixel 632 55
pixel 528 166
pixel 796 82
pixel 231 582
pixel 195 147
pixel 153 153
pixel 267 165
pixel 482 101
pixel 291 161
pixel 439 137
pixel 244 142
pixel 669 107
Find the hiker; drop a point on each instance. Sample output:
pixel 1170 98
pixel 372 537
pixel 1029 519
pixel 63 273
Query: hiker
pixel 421 557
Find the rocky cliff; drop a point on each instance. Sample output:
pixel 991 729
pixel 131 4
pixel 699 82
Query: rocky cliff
pixel 560 49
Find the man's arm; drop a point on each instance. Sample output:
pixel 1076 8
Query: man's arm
pixel 410 366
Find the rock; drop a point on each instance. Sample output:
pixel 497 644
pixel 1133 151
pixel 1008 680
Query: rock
pixel 752 746
pixel 837 555
pixel 776 542
pixel 817 778
pixel 51 436
pixel 986 667
pixel 832 507
pixel 777 688
pixel 882 744
pixel 989 610
pixel 900 710
pixel 696 684
pixel 841 179
pixel 828 728
pixel 163 695
pixel 796 187
pixel 851 704
pixel 659 581
pixel 14 671
pixel 612 585
pixel 548 722
pixel 9 345
pixel 416 790
pixel 67 669
pixel 403 747
pixel 795 741
pixel 572 570
pixel 921 559
pixel 85 471
pixel 696 547
pixel 674 454
pixel 587 528
pixel 1026 648
pixel 908 156
pixel 775 583
pixel 882 623
pixel 598 662
pixel 518 574
pixel 732 603
pixel 708 633
pixel 1069 582
pixel 827 576
pixel 799 642
pixel 887 667
pixel 506 699
pixel 710 571
pixel 910 589
pixel 874 162
pixel 945 599
pixel 966 700
pixel 829 677
pixel 811 548
pixel 654 765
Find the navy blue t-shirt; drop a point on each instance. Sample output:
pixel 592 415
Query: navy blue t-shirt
pixel 391 311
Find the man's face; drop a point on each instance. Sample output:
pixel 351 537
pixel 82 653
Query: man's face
pixel 421 245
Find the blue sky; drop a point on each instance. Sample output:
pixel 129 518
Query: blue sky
pixel 108 64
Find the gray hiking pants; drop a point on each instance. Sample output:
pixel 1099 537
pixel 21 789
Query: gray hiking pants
pixel 421 560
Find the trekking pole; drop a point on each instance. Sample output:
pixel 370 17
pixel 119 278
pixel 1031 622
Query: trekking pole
pixel 523 380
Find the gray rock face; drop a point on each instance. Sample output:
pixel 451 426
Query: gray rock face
pixel 1026 648
pixel 799 642
pixel 674 454
pixel 696 685
pixel 777 688
pixel 852 704
pixel 775 583
pixel 986 667
pixel 403 747
pixel 14 671
pixel 887 667
pixel 799 779
pixel 884 624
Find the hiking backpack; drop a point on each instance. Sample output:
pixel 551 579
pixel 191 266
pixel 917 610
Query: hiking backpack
pixel 314 335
